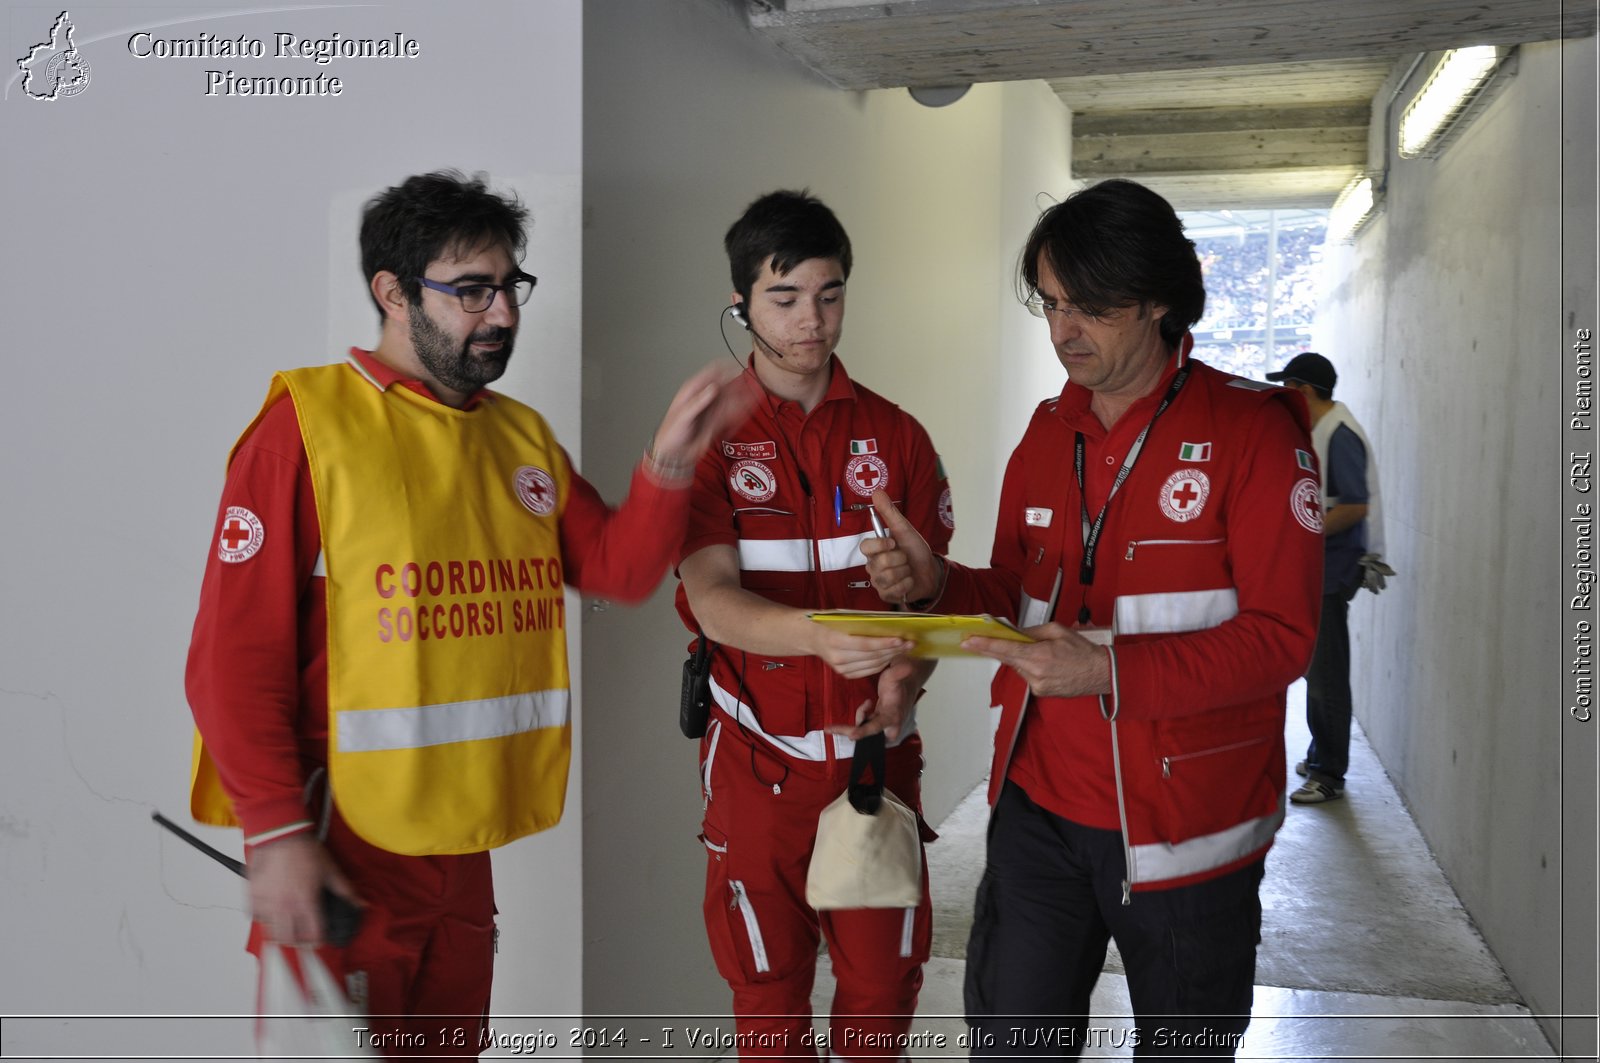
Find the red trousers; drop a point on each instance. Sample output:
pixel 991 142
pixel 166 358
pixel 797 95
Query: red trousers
pixel 421 966
pixel 761 811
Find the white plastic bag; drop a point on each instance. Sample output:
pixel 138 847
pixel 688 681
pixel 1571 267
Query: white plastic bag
pixel 302 1011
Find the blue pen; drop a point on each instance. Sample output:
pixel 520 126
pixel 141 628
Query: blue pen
pixel 838 507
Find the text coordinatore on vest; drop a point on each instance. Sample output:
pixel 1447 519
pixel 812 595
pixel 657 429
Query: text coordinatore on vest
pixel 1580 479
pixel 470 598
pixel 319 51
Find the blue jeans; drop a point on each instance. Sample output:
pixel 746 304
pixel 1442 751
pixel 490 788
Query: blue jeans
pixel 1328 704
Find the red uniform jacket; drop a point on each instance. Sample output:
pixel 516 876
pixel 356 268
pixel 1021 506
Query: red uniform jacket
pixel 791 492
pixel 1209 571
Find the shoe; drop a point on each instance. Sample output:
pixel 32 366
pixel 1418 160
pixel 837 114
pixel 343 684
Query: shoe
pixel 1300 769
pixel 1315 793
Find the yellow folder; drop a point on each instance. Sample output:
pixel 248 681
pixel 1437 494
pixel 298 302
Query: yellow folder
pixel 936 635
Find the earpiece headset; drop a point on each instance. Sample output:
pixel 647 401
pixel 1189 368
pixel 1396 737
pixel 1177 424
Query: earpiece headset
pixel 737 312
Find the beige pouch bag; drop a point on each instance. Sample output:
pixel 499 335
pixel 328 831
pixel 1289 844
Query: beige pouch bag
pixel 871 858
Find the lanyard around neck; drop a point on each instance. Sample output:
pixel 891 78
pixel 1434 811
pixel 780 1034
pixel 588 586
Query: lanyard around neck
pixel 1091 531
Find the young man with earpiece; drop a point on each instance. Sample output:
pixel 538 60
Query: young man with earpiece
pixel 780 508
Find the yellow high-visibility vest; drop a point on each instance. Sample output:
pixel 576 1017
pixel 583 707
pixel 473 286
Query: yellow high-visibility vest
pixel 449 720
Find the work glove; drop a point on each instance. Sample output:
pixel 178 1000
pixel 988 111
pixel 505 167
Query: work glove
pixel 1374 573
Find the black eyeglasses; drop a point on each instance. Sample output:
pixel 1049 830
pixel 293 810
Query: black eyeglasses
pixel 476 298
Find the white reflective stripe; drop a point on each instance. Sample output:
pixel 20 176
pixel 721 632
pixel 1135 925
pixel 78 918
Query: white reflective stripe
pixel 279 832
pixel 713 846
pixel 711 756
pixel 1034 611
pixel 1150 614
pixel 809 746
pixel 1159 861
pixel 1116 689
pixel 358 367
pixel 905 933
pixel 758 947
pixel 369 730
pixel 795 555
pixel 775 555
pixel 843 552
pixel 321 567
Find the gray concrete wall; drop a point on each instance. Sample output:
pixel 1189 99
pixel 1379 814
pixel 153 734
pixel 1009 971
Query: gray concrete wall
pixel 167 252
pixel 1449 319
pixel 687 119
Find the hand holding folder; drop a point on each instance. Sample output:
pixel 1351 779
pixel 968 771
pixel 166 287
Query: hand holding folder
pixel 935 635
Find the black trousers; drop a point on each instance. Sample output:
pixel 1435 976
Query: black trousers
pixel 1051 899
pixel 1328 702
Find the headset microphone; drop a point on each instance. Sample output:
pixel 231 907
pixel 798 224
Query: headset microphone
pixel 736 311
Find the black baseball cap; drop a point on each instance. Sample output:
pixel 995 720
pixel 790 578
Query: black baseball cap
pixel 1308 367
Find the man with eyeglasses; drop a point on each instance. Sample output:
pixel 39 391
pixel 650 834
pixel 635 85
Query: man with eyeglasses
pixel 378 668
pixel 1159 536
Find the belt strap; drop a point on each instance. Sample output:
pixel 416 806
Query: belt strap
pixel 869 759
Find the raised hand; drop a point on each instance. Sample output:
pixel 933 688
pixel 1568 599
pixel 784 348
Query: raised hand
pixel 902 567
pixel 708 405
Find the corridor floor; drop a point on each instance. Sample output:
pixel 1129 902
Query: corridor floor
pixel 1366 953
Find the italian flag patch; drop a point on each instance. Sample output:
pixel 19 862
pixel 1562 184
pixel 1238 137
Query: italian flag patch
pixel 1302 459
pixel 1195 452
pixel 863 446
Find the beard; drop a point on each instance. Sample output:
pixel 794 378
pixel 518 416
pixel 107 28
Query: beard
pixel 453 363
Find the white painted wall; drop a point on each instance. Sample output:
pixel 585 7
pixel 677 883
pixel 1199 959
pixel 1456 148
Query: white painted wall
pixel 687 119
pixel 1449 320
pixel 166 253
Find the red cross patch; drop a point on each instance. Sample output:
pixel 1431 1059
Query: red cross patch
pixel 1184 495
pixel 536 490
pixel 1305 502
pixel 865 474
pixel 241 536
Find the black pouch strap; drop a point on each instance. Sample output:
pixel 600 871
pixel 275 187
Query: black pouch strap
pixel 870 758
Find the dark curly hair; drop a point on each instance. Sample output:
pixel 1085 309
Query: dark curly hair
pixel 427 216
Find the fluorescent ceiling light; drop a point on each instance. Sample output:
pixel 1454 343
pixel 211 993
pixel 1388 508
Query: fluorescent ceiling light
pixel 1352 209
pixel 1445 95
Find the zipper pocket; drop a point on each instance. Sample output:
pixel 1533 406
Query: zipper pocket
pixel 1168 762
pixel 705 769
pixel 1135 543
pixel 758 947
